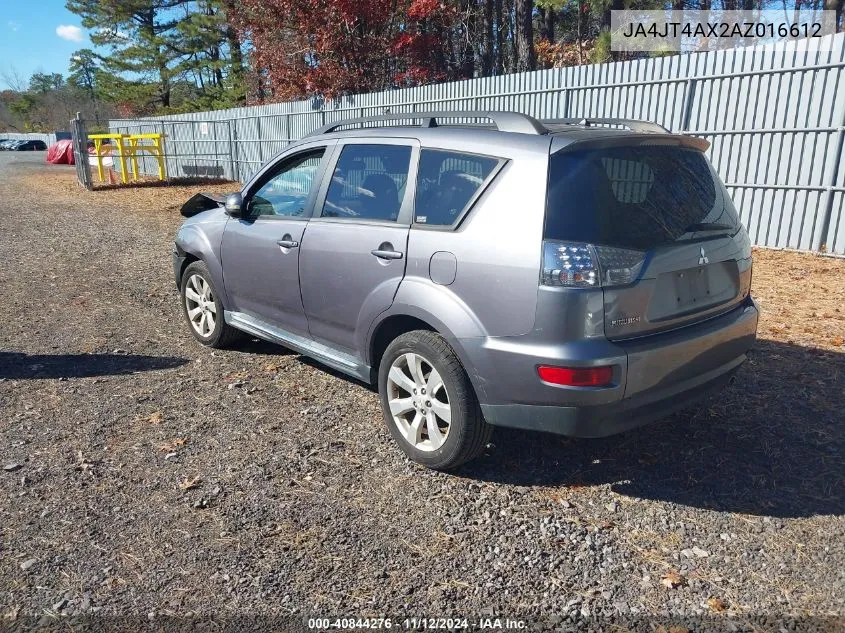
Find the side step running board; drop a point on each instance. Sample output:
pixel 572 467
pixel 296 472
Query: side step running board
pixel 330 356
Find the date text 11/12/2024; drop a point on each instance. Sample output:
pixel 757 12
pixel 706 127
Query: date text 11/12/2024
pixel 418 624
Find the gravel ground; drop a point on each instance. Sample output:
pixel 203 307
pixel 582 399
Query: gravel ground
pixel 147 478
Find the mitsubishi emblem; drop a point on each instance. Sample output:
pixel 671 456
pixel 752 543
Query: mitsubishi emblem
pixel 703 259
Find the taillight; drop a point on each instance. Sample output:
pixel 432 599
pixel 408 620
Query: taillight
pixel 576 376
pixel 579 265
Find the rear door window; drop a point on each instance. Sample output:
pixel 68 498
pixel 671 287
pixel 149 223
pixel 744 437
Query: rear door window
pixel 368 183
pixel 446 182
pixel 637 197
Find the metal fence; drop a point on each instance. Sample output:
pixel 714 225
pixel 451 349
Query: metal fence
pixel 79 137
pixel 774 115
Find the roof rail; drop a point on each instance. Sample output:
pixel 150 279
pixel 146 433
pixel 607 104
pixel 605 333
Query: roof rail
pixel 634 125
pixel 503 121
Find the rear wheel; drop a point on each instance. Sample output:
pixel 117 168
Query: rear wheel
pixel 203 310
pixel 428 402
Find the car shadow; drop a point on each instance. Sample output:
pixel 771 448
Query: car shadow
pixel 18 366
pixel 771 444
pixel 262 347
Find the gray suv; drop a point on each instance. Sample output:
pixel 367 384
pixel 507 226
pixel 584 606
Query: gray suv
pixel 576 277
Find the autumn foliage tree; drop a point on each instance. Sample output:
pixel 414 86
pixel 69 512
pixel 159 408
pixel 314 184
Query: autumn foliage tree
pixel 170 56
pixel 334 47
pixel 328 47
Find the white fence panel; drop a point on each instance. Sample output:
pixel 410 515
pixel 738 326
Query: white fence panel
pixel 774 115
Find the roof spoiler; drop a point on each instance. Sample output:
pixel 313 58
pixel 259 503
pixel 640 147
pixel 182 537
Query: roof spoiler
pixel 648 138
pixel 635 125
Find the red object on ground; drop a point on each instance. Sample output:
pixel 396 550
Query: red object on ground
pixel 60 153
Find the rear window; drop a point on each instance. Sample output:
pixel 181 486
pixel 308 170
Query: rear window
pixel 636 197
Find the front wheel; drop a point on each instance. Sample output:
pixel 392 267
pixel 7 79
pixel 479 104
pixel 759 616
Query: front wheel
pixel 428 402
pixel 203 310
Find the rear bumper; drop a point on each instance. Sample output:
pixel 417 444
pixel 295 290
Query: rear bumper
pixel 654 377
pixel 607 419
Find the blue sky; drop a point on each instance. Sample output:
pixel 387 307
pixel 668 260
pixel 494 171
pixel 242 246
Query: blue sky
pixel 29 41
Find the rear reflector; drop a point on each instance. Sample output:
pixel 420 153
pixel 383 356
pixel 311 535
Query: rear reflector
pixel 576 376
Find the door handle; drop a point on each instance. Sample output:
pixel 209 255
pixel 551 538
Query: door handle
pixel 288 243
pixel 384 254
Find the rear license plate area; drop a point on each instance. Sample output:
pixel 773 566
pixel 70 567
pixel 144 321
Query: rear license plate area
pixel 692 288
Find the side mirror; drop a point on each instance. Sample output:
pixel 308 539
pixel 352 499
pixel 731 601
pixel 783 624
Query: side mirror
pixel 234 205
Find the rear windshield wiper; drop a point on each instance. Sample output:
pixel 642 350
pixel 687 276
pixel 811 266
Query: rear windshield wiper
pixel 709 226
pixel 705 227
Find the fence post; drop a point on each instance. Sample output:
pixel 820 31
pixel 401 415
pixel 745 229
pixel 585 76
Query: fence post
pixel 830 193
pixel 686 111
pixel 231 149
pixel 259 140
pixel 287 129
pixel 237 149
pixel 79 137
pixel 194 145
pixel 216 149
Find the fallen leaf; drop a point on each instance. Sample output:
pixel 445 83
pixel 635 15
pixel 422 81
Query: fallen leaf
pixel 238 376
pixel 673 579
pixel 177 443
pixel 156 417
pixel 190 484
pixel 12 614
pixel 716 604
pixel 836 341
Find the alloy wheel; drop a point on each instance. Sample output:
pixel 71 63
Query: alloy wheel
pixel 200 306
pixel 419 402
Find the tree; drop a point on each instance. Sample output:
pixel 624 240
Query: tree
pixel 212 54
pixel 525 56
pixel 839 7
pixel 46 82
pixel 47 104
pixel 140 34
pixel 13 79
pixel 330 47
pixel 85 74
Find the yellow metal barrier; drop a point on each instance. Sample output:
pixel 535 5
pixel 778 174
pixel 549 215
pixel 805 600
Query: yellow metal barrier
pixel 99 149
pixel 156 149
pixel 129 146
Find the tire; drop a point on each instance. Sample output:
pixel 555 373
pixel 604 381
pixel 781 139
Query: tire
pixel 221 335
pixel 466 433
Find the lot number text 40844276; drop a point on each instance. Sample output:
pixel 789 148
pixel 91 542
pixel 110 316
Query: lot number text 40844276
pixel 417 624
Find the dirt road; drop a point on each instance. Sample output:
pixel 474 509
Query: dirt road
pixel 147 477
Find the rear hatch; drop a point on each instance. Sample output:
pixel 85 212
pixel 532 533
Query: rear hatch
pixel 649 221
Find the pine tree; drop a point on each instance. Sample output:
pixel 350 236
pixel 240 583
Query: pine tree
pixel 141 36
